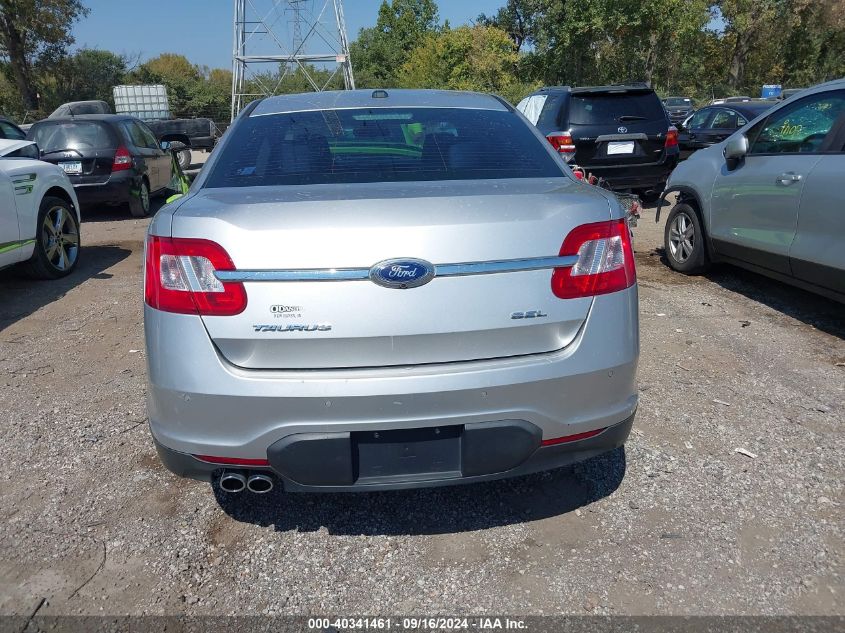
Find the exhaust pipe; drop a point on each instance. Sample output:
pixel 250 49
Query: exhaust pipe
pixel 259 483
pixel 232 481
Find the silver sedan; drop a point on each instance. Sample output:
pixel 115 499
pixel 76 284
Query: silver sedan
pixel 391 289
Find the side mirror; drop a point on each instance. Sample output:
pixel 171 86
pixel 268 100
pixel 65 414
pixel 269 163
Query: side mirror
pixel 165 146
pixel 735 150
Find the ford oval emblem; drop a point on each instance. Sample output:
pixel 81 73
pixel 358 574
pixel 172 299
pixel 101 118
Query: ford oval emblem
pixel 402 273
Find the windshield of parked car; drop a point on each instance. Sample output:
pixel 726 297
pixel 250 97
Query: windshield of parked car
pixel 71 135
pixel 678 101
pixel 603 108
pixel 380 145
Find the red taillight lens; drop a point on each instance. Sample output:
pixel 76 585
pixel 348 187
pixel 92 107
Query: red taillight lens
pixel 571 438
pixel 672 137
pixel 180 278
pixel 122 159
pixel 233 461
pixel 605 261
pixel 562 142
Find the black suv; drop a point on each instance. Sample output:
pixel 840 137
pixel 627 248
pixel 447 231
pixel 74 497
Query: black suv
pixel 620 133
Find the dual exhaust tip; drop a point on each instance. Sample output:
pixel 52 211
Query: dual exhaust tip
pixel 238 480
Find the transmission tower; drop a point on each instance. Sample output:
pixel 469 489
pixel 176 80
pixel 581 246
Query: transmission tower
pixel 274 38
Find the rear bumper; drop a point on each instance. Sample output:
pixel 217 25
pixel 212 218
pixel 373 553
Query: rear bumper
pixel 116 190
pixel 487 463
pixel 648 176
pixel 199 404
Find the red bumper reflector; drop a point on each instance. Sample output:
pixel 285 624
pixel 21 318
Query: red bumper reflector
pixel 233 461
pixel 571 438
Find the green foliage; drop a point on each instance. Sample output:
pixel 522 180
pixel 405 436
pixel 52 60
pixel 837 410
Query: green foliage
pixel 35 33
pixel 479 58
pixel 192 90
pixel 699 48
pixel 89 74
pixel 379 51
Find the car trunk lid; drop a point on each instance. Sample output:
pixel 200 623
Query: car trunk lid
pixel 311 324
pixel 85 149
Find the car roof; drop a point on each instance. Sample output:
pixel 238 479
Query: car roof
pixel 633 87
pixel 752 108
pixel 105 118
pixel 395 98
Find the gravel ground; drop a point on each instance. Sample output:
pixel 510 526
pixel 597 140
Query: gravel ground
pixel 676 523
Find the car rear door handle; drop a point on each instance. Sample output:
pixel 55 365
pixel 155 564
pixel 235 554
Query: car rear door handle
pixel 789 178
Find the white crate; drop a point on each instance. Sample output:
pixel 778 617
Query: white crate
pixel 147 102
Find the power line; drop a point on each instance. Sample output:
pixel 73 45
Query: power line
pixel 293 35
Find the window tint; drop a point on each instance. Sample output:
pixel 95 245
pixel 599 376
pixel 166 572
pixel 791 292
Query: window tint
pixel 800 127
pixel 149 138
pixel 532 106
pixel 598 109
pixel 28 151
pixel 78 135
pixel 700 118
pixel 380 145
pixel 7 130
pixel 724 120
pixel 134 133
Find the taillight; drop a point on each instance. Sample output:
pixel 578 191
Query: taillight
pixel 122 159
pixel 605 261
pixel 562 142
pixel 672 137
pixel 180 278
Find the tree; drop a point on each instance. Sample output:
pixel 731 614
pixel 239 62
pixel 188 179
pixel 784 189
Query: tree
pixel 380 50
pixel 516 18
pixel 745 22
pixel 33 31
pixel 480 58
pixel 87 74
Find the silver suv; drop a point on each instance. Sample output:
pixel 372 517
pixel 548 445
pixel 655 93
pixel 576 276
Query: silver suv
pixel 371 290
pixel 769 197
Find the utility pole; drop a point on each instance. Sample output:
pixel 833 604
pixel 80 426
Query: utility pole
pixel 282 36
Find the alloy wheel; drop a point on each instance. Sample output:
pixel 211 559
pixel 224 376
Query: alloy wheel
pixel 682 237
pixel 60 238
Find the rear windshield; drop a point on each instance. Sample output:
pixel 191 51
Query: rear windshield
pixel 598 109
pixel 380 145
pixel 78 135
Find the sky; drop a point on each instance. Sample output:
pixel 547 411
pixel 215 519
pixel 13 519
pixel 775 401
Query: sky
pixel 202 29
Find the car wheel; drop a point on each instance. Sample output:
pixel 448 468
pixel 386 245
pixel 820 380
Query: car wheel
pixel 683 239
pixel 56 251
pixel 139 203
pixel 184 158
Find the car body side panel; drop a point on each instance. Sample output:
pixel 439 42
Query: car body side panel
pixel 754 215
pixel 817 255
pixel 31 180
pixel 9 230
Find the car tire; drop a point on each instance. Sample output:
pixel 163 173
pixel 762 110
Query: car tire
pixel 57 243
pixel 684 241
pixel 139 203
pixel 183 157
